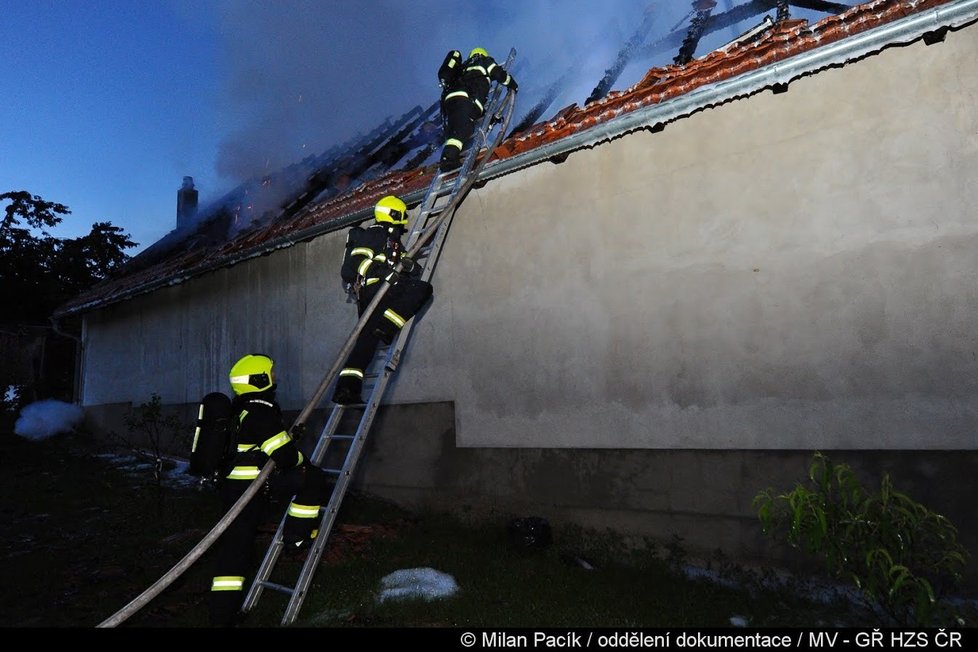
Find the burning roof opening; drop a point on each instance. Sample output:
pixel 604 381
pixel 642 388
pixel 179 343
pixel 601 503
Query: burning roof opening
pixel 328 191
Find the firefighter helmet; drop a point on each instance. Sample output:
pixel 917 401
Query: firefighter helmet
pixel 252 373
pixel 392 210
pixel 480 51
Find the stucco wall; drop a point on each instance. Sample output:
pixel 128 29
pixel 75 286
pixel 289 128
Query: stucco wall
pixel 179 342
pixel 785 271
pixel 645 335
pixel 705 498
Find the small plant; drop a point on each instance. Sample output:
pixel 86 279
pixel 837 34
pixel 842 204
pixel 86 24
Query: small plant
pixel 898 553
pixel 676 556
pixel 152 434
pixel 148 424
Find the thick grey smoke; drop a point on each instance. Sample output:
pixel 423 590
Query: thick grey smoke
pixel 303 75
pixel 307 74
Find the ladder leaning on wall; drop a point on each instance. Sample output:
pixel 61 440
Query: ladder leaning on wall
pixel 341 440
pixel 427 233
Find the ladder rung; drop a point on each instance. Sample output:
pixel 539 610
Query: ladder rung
pixel 278 587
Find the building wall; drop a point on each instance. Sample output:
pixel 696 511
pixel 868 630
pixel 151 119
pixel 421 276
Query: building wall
pixel 701 498
pixel 787 271
pixel 650 332
pixel 180 342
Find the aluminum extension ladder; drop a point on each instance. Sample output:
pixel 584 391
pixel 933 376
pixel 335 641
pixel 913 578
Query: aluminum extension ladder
pixel 341 440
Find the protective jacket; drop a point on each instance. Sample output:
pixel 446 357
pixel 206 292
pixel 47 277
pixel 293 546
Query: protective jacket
pixel 472 78
pixel 261 436
pixel 372 255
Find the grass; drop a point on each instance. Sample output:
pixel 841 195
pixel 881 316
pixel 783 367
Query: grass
pixel 83 535
pixel 502 584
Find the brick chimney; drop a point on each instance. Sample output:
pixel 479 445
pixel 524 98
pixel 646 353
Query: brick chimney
pixel 186 203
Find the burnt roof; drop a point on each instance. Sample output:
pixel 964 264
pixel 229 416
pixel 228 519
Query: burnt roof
pixel 776 54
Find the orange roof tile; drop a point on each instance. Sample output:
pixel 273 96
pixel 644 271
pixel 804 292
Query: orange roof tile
pixel 659 85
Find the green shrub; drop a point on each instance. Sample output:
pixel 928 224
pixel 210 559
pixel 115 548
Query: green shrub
pixel 154 436
pixel 899 554
pixel 147 426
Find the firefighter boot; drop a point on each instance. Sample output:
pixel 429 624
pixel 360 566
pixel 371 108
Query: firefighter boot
pixel 300 527
pixel 451 159
pixel 347 392
pixel 386 332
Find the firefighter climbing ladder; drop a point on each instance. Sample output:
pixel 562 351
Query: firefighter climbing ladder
pixel 430 224
pixel 426 236
pixel 337 450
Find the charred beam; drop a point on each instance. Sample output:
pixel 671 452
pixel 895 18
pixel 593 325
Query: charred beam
pixel 624 56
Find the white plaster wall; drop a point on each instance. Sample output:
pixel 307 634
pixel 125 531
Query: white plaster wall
pixel 789 271
pixel 181 341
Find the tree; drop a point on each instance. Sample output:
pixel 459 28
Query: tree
pixel 83 262
pixel 39 272
pixel 25 258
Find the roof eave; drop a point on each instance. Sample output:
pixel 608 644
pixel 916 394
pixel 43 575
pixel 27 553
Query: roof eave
pixel 898 32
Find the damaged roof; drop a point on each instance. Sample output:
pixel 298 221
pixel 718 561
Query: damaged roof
pixel 767 57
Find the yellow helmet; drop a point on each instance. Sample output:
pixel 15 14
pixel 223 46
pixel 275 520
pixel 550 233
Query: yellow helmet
pixel 392 210
pixel 479 51
pixel 252 373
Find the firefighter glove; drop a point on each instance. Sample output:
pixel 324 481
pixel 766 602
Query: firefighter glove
pixel 512 85
pixel 393 277
pixel 407 264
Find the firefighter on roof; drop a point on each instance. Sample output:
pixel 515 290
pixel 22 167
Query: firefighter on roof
pixel 465 90
pixel 260 436
pixel 372 254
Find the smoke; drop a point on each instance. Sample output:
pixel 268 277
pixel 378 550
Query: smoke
pixel 47 418
pixel 303 75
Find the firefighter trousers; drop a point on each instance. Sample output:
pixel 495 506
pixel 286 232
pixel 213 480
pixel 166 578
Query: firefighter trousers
pixel 236 557
pixel 401 302
pixel 460 115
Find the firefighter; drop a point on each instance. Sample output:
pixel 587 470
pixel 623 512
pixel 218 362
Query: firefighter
pixel 372 255
pixel 260 436
pixel 465 90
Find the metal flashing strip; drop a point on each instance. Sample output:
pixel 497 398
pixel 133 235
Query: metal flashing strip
pixel 897 32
